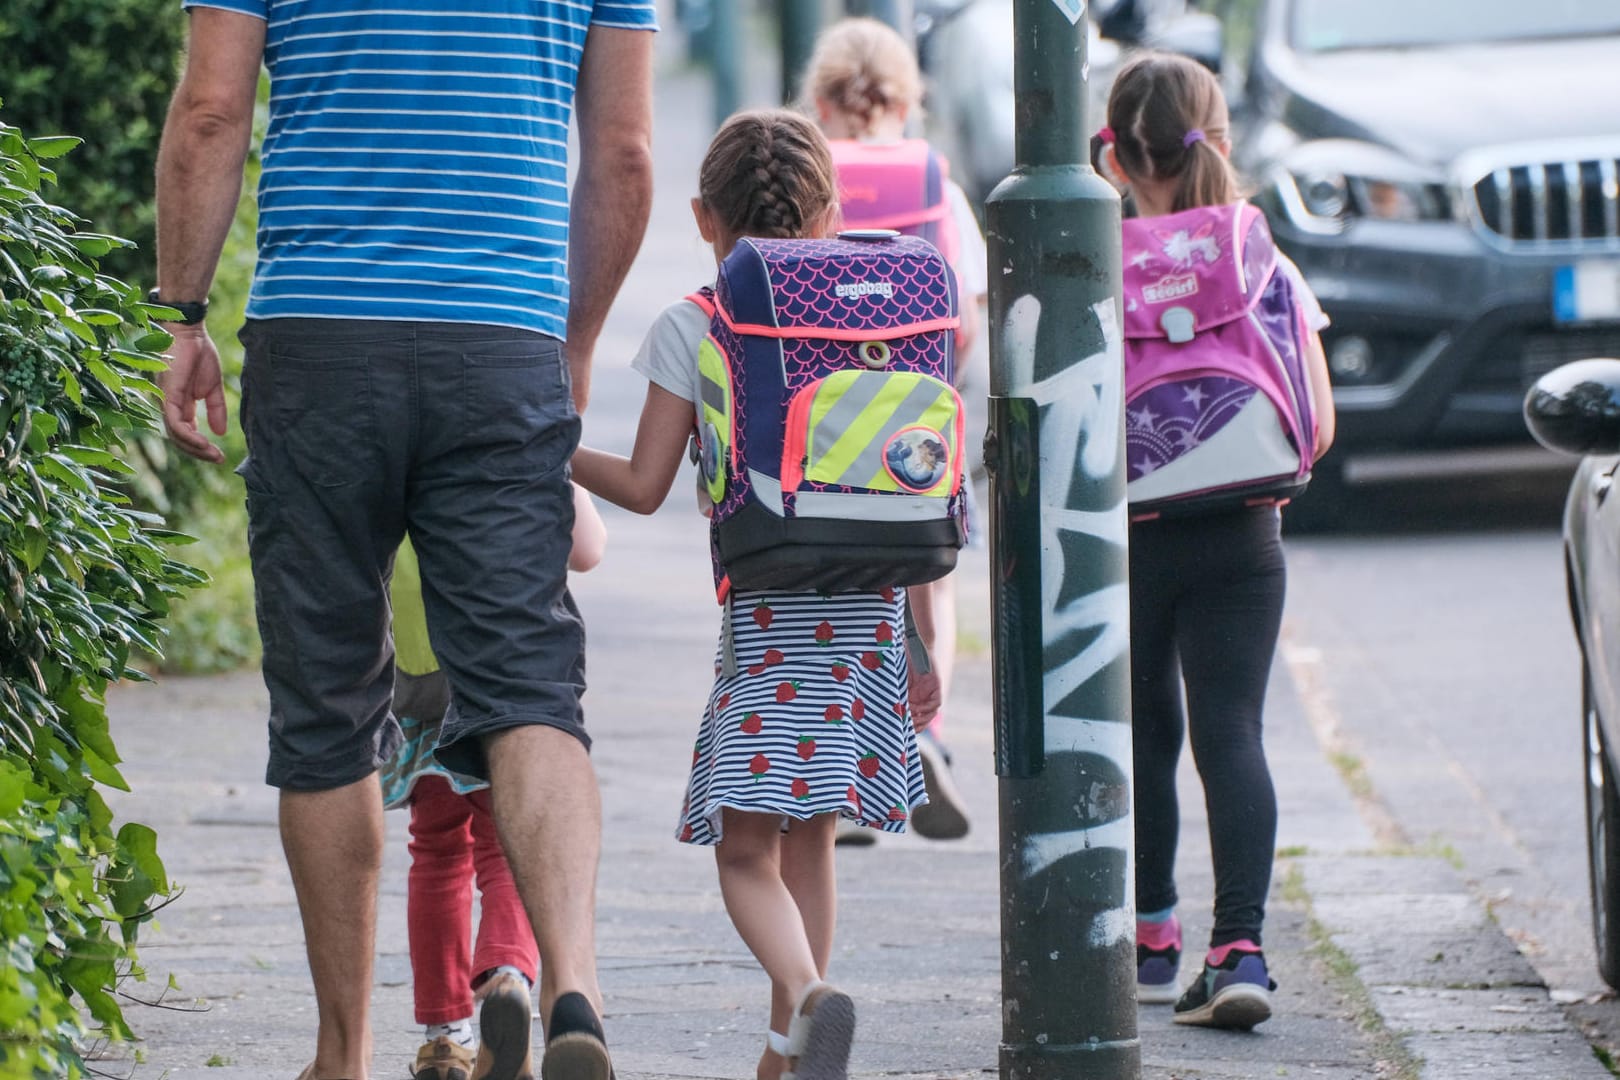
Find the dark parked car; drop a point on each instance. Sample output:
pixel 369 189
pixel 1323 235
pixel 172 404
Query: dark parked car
pixel 1446 173
pixel 1576 409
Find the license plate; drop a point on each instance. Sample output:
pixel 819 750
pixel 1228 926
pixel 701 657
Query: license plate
pixel 1587 292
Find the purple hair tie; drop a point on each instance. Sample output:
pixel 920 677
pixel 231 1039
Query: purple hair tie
pixel 1191 137
pixel 1106 134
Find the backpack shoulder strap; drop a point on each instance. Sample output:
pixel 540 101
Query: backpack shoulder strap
pixel 704 298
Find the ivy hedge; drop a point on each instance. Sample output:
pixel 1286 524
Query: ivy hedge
pixel 85 581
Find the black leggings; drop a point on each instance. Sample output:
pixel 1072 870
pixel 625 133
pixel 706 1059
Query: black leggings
pixel 1206 607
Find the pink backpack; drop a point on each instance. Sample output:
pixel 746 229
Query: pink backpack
pixel 898 185
pixel 1218 409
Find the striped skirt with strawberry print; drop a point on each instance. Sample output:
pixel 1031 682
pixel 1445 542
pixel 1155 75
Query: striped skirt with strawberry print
pixel 814 722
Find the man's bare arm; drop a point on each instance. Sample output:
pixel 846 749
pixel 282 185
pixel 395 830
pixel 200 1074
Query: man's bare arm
pixel 613 188
pixel 205 143
pixel 199 179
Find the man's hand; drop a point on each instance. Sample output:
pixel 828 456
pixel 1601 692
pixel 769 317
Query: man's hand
pixel 193 376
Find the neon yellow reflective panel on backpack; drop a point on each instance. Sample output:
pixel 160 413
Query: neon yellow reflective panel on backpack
pixel 894 431
pixel 716 437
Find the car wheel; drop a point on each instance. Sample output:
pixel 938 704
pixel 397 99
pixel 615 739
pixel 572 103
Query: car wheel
pixel 1602 840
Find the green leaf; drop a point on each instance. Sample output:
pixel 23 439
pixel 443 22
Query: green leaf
pixel 50 146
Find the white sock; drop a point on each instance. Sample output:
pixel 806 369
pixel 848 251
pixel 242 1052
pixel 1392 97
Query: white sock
pixel 460 1032
pixel 508 969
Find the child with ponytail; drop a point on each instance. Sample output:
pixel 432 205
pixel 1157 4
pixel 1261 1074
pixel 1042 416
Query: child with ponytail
pixel 1206 587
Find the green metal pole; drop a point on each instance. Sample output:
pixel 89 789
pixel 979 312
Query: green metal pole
pixel 725 54
pixel 1058 553
pixel 801 22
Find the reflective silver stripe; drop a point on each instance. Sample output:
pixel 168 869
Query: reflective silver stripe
pixel 1611 197
pixel 1538 199
pixel 908 412
pixel 714 395
pixel 860 392
pixel 879 507
pixel 767 491
pixel 1502 181
pixel 1574 199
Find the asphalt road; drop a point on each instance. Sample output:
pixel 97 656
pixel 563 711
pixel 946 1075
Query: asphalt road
pixel 1435 636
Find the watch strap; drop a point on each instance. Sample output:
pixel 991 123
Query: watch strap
pixel 191 312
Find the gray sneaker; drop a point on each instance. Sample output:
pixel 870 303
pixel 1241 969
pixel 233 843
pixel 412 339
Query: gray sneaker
pixel 944 816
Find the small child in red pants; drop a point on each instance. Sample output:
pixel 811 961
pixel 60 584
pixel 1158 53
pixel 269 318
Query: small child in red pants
pixel 453 845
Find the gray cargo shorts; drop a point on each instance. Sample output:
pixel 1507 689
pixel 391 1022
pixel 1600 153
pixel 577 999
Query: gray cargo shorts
pixel 357 432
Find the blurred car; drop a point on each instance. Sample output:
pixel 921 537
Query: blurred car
pixel 1445 175
pixel 1576 409
pixel 966 51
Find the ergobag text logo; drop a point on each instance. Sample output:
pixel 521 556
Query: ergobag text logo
pixel 832 437
pixel 850 290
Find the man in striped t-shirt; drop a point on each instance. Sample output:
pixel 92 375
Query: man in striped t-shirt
pixel 420 265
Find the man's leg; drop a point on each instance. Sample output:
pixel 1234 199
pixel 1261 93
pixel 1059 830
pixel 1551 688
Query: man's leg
pixel 322 404
pixel 334 845
pixel 549 814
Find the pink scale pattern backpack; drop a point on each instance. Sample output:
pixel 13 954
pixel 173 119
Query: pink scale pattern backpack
pixel 1218 409
pixel 829 437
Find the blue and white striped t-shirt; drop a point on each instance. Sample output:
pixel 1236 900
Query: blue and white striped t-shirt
pixel 415 164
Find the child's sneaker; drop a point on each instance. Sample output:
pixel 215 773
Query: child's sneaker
pixel 1232 992
pixel 1158 961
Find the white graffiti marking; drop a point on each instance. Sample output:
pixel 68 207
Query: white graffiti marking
pixel 1079 429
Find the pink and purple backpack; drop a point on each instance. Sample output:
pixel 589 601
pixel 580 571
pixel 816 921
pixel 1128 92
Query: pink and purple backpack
pixel 896 185
pixel 829 437
pixel 1218 409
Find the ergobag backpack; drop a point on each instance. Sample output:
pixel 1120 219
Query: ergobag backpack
pixel 896 185
pixel 829 437
pixel 1218 409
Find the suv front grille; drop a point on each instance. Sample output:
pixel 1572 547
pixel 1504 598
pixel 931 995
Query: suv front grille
pixel 1572 203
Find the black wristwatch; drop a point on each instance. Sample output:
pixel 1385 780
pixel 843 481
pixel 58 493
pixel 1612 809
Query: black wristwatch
pixel 191 312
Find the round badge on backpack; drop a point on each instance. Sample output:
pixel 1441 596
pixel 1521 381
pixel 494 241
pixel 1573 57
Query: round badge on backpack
pixel 916 458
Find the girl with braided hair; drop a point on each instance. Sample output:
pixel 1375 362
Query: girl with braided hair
pixel 811 724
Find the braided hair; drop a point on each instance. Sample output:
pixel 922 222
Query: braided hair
pixel 864 70
pixel 768 173
pixel 1168 117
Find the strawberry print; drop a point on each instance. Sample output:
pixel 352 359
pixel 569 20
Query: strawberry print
pixel 812 721
pixel 887 592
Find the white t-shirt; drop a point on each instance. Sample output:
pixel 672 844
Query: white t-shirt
pixel 669 353
pixel 972 269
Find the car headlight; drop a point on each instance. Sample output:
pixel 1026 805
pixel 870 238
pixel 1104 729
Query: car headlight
pixel 1323 186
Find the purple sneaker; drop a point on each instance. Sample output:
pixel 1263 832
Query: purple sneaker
pixel 1235 993
pixel 1158 961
